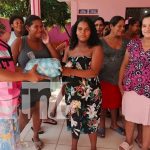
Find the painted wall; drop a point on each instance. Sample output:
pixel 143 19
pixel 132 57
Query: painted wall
pixel 106 8
pixel 6 23
pixel 57 35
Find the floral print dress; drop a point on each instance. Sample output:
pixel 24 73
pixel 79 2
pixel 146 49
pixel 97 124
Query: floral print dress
pixel 83 99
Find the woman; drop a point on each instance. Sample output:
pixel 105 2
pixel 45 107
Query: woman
pixel 9 94
pixel 82 94
pixel 133 32
pixel 16 23
pixel 133 29
pixel 114 48
pixel 134 83
pixel 34 45
pixel 100 25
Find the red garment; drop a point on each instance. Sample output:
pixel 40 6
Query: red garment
pixel 111 96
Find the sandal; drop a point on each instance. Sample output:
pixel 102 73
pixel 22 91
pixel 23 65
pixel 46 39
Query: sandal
pixel 40 131
pixel 101 132
pixel 119 130
pixel 38 144
pixel 125 146
pixel 50 121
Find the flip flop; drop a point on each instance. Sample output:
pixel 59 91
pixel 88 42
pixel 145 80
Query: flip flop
pixel 119 130
pixel 50 121
pixel 40 132
pixel 125 146
pixel 101 132
pixel 38 144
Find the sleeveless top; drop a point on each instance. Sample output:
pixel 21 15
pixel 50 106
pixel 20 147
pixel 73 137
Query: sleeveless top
pixel 112 62
pixel 27 53
pixel 9 91
pixel 137 74
pixel 24 57
pixel 12 38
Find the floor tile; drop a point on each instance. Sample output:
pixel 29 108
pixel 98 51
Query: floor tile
pixel 51 135
pixel 30 146
pixel 56 137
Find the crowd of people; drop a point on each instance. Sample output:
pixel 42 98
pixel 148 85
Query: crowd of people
pixel 105 69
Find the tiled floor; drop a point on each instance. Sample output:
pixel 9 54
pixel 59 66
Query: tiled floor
pixel 56 137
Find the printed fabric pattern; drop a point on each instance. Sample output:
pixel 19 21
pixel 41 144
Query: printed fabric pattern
pixel 83 99
pixel 137 76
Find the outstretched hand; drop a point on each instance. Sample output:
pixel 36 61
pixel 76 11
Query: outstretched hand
pixel 34 76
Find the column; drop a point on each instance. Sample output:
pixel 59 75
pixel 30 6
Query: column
pixel 35 7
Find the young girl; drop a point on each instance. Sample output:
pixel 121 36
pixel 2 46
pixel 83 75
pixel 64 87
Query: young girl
pixel 134 83
pixel 82 93
pixel 9 93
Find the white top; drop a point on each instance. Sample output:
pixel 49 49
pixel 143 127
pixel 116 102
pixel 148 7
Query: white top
pixel 12 38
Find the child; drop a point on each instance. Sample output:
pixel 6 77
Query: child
pixel 82 91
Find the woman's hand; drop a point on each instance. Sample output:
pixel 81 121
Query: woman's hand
pixel 61 47
pixel 33 76
pixel 45 37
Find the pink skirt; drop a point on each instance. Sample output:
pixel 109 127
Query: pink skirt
pixel 136 108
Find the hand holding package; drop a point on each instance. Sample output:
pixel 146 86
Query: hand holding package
pixel 49 67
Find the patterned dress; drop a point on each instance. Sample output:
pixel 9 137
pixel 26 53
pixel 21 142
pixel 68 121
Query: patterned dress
pixel 83 99
pixel 137 76
pixel 9 94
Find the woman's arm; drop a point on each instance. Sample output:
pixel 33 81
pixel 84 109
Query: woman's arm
pixel 66 53
pixel 45 40
pixel 15 48
pixel 9 76
pixel 52 51
pixel 96 64
pixel 122 70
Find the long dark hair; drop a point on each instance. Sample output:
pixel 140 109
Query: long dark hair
pixel 93 39
pixel 114 20
pixel 29 22
pixel 100 19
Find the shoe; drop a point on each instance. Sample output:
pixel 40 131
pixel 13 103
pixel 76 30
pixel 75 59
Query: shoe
pixel 38 144
pixel 40 132
pixel 50 121
pixel 119 130
pixel 125 146
pixel 101 132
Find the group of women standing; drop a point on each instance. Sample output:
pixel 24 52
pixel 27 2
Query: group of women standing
pixel 93 81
